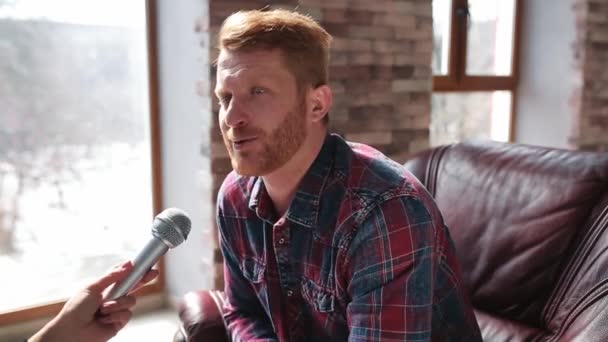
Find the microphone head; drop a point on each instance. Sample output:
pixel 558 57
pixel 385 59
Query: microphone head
pixel 172 226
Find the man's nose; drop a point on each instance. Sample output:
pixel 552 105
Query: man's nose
pixel 235 115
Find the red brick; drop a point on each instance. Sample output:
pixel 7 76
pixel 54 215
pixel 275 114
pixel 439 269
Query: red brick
pixel 406 85
pixel 372 138
pixel 359 45
pixel 371 32
pixel 392 19
pixel 354 87
pixel 590 97
pixel 340 72
pixel 338 4
pixel 337 30
pixel 332 15
pixel 403 71
pixel 359 17
pixel 374 6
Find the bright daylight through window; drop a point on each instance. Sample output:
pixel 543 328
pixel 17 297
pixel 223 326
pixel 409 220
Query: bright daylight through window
pixel 75 165
pixel 473 64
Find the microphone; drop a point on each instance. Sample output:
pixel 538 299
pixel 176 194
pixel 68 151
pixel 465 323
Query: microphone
pixel 169 229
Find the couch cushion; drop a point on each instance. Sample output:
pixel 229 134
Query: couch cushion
pixel 494 328
pixel 513 212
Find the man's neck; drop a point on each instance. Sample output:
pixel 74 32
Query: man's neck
pixel 282 183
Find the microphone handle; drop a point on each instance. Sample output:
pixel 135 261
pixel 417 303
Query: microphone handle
pixel 154 249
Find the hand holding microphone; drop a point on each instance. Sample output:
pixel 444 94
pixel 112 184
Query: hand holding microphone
pixel 169 229
pixel 91 316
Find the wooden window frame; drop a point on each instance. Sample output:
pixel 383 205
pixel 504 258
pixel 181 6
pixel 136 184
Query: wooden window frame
pixel 457 80
pixel 51 309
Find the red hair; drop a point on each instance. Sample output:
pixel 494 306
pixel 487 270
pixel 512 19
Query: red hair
pixel 304 43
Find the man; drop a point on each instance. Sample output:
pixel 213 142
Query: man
pixel 322 239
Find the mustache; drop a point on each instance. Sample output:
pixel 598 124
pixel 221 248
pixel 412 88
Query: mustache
pixel 235 134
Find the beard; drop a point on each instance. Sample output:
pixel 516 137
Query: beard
pixel 273 149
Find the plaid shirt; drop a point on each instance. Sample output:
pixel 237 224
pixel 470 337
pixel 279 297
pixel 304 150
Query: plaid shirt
pixel 362 254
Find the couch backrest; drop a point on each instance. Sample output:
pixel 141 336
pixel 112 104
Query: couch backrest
pixel 530 226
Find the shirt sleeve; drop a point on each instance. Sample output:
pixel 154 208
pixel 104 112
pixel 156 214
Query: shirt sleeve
pixel 244 315
pixel 391 265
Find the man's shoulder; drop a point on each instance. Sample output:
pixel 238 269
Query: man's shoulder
pixel 376 177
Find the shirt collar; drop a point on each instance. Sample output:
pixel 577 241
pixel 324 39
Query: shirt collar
pixel 304 208
pixel 259 201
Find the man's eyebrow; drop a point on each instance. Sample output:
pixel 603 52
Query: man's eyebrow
pixel 250 78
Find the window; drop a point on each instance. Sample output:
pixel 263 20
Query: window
pixel 475 69
pixel 79 155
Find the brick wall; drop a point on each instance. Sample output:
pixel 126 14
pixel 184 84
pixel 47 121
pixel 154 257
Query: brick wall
pixel 590 99
pixel 380 73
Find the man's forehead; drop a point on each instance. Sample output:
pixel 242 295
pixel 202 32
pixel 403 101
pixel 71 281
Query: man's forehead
pixel 260 58
pixel 267 62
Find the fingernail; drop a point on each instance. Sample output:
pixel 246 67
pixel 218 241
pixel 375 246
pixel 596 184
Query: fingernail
pixel 105 305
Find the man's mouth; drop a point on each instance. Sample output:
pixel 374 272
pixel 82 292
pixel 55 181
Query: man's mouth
pixel 241 143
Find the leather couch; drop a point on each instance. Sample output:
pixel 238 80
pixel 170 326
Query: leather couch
pixel 530 226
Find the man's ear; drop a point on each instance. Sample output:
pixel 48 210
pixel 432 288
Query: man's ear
pixel 321 99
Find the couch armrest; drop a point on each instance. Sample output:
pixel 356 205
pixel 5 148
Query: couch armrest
pixel 200 313
pixel 424 165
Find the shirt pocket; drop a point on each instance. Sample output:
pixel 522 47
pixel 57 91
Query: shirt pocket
pixel 253 270
pixel 322 300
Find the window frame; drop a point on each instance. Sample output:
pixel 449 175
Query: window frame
pixel 50 309
pixel 456 79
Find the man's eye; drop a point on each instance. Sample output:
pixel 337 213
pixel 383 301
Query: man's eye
pixel 257 90
pixel 225 100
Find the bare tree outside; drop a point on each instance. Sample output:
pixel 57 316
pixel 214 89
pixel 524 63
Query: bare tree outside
pixel 45 128
pixel 73 108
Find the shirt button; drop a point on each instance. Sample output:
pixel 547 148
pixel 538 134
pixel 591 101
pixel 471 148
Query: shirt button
pixel 289 293
pixel 281 241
